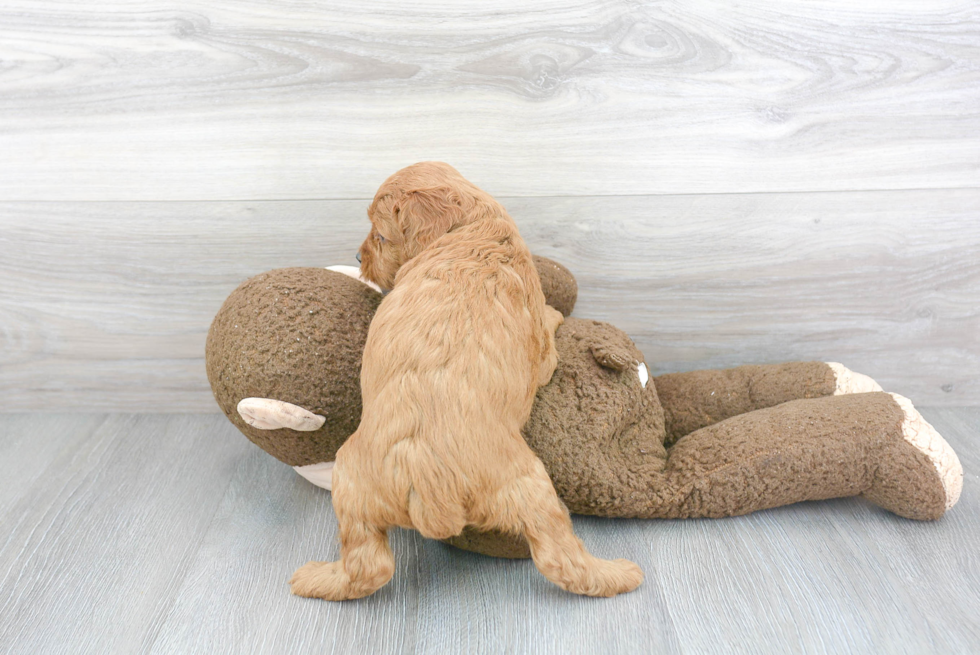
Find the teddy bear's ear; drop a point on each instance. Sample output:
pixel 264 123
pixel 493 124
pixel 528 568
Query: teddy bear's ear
pixel 612 356
pixel 557 283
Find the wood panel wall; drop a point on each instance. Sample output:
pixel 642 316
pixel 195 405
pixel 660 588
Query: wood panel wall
pixel 760 183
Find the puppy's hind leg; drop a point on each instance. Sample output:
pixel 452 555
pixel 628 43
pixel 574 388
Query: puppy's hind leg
pixel 366 562
pixel 530 506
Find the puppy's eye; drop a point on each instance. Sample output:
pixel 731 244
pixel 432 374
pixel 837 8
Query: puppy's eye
pixel 379 238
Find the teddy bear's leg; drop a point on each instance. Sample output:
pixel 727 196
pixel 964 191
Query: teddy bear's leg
pixel 366 562
pixel 872 444
pixel 899 485
pixel 528 505
pixel 701 398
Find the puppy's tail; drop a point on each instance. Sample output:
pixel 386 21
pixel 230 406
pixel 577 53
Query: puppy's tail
pixel 435 501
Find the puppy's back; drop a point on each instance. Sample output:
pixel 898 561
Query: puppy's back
pixel 449 369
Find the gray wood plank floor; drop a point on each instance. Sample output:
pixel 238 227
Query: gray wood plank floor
pixel 171 533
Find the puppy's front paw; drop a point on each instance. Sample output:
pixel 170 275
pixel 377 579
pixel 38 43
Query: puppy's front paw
pixel 552 319
pixel 548 367
pixel 326 580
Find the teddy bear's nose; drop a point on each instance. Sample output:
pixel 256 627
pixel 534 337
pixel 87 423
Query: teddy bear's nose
pixel 358 256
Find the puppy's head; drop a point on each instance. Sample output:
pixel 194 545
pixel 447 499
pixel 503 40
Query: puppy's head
pixel 413 208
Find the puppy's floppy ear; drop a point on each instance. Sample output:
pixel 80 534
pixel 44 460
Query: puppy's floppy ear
pixel 424 215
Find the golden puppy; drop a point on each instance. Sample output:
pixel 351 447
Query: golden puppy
pixel 453 358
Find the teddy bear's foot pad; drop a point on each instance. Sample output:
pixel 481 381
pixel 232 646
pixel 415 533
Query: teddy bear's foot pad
pixel 848 381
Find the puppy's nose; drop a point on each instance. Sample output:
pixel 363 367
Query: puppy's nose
pixel 358 256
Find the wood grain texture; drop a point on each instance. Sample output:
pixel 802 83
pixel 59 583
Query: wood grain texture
pixel 756 183
pixel 163 534
pixel 106 306
pixel 286 99
pixel 94 543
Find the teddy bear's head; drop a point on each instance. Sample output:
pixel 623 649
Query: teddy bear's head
pixel 297 335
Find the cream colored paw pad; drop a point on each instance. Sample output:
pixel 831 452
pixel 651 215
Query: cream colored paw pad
pixel 850 382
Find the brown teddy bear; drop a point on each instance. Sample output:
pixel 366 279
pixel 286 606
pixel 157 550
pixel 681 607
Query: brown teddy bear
pixel 283 358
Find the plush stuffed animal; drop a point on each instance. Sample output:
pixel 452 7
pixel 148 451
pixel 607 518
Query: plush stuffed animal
pixel 283 359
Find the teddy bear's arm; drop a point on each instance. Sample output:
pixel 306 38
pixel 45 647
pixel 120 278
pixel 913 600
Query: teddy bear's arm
pixel 698 399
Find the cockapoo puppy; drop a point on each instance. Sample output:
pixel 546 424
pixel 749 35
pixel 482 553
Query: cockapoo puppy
pixel 453 358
